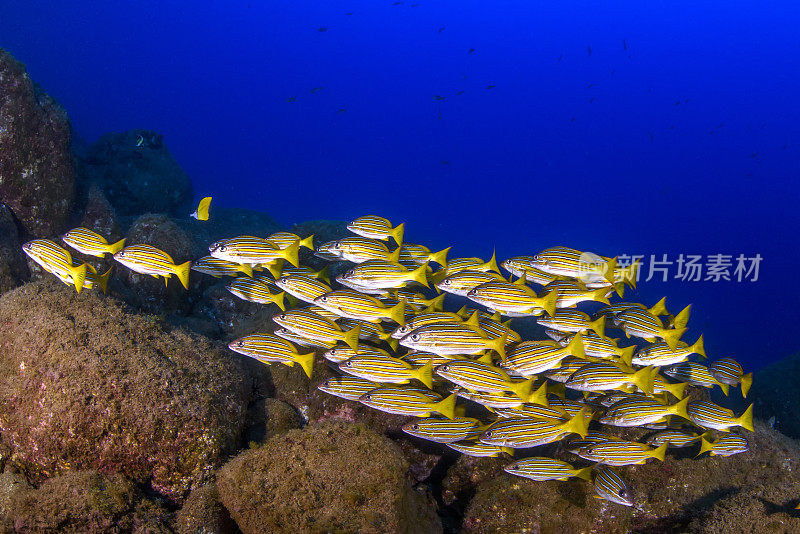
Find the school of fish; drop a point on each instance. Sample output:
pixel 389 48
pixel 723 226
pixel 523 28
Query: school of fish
pixel 471 381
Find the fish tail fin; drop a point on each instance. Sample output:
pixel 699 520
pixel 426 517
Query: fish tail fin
pixel 672 336
pixel 306 361
pixel 539 396
pixel 558 389
pixel 575 347
pixel 746 420
pixel 394 256
pixel 116 247
pixel 679 409
pixel 698 347
pixel 677 390
pixel 308 242
pixel 660 453
pixel 351 337
pixel 446 406
pixel 491 265
pixel 323 275
pixel 599 326
pixel 291 254
pixel 440 257
pixel 747 381
pixel 397 313
pixel 499 345
pixel 643 378
pixel 522 389
pixel 277 299
pixel 425 374
pixel 682 319
pixel 659 308
pixel 182 272
pixel 246 268
pixel 549 301
pixel 102 280
pixel 726 389
pixel 438 302
pixel 420 274
pixel 397 233
pixel 275 267
pixel 585 473
pixel 78 276
pixel 705 445
pixel 509 451
pixel 626 356
pixel 578 424
pixel 629 274
pixel 599 295
pixel 610 267
pixel 619 287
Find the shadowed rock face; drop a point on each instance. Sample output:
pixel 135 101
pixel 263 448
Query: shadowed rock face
pixel 37 172
pixel 138 174
pixel 13 267
pixel 85 384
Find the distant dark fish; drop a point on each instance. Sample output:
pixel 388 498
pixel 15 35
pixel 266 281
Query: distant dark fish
pixel 341 110
pixel 491 86
pixel 291 99
pixel 397 3
pixel 784 147
pixel 590 86
pixel 754 155
pixel 651 136
pixel 589 49
pixel 441 29
pixel 671 126
pixel 349 13
pixel 439 98
pixel 322 29
pixel 561 57
pixel 613 71
pixel 459 92
pixel 444 162
pixel 624 44
pixel 591 100
pixel 678 103
pixel 315 89
pixel 471 50
pixel 572 119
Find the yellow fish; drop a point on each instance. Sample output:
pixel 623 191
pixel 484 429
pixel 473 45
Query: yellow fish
pixel 201 213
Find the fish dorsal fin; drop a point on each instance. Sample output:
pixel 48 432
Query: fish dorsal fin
pixel 474 320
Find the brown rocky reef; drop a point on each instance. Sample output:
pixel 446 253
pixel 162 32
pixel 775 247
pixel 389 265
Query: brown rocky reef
pixel 37 172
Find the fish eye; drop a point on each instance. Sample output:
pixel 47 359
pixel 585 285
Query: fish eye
pixel 222 248
pixel 332 351
pixel 240 344
pixel 446 282
pixel 415 337
pixel 415 427
pixel 324 299
pixel 348 364
pixel 367 396
pixel 283 316
pixel 445 368
pixel 337 245
pixel 487 434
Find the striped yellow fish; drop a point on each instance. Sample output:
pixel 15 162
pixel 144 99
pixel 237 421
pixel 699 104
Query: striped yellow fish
pixel 516 298
pixel 445 430
pixel 201 213
pixel 695 374
pixel 660 354
pixel 418 302
pixel 407 400
pixel 283 240
pixel 347 387
pixel 602 376
pixel 412 254
pixel 387 370
pixel 641 323
pixel 622 453
pixel 91 243
pixel 321 274
pixel 610 487
pixel 566 368
pixel 540 468
pixel 256 290
pixel 709 415
pixel 727 445
pixel 530 358
pixel 340 353
pixel 477 449
pixel 570 320
pixel 567 261
pixel 527 432
pixel 635 411
pixel 482 376
pixel 267 348
pixel 298 339
pixel 375 227
pixel 674 438
pixel 218 268
pixel 253 250
pixel 355 305
pixel 604 348
pixel 315 327
pixel 147 259
pixel 425 319
pixel 92 279
pixel 380 274
pixel 729 371
pixel 463 282
pixel 533 411
pixel 453 338
pixel 462 264
pixel 303 287
pixel 55 260
pixel 571 293
pixel 359 250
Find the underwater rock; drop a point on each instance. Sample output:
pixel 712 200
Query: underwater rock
pixel 86 501
pixel 776 391
pixel 138 174
pixel 749 509
pixel 10 485
pixel 202 513
pixel 13 264
pixel 149 293
pixel 270 417
pixel 84 384
pixel 668 496
pixel 329 477
pixel 99 216
pixel 37 172
pixel 232 316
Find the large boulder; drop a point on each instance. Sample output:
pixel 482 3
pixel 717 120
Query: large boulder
pixel 13 266
pixel 776 391
pixel 37 172
pixel 138 174
pixel 86 384
pixel 85 501
pixel 333 477
pixel 202 513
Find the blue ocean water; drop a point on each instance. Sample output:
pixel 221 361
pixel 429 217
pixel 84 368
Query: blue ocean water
pixel 662 128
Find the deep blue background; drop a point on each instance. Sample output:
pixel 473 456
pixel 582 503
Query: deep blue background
pixel 686 142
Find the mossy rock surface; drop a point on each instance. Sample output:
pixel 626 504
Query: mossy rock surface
pixel 330 477
pixel 203 513
pixel 86 501
pixel 84 383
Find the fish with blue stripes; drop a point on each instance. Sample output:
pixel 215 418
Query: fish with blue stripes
pixel 376 227
pixel 659 353
pixel 453 338
pixel 380 274
pixel 258 290
pixel 481 376
pixel 641 323
pixel 312 326
pixel 462 282
pixel 710 415
pixel 339 353
pixel 387 369
pixel 676 438
pixel 56 260
pixel 729 371
pixel 355 305
pixel 268 348
pixel 147 259
pixel 726 445
pixel 477 449
pixel 609 486
pixel 253 250
pixel 89 242
pixel 409 400
pixel 695 374
pixel 347 387
pixel 573 321
pixel 303 287
pixel 412 254
pixel 513 298
pixel 567 261
pixel 218 268
pixel 619 453
pixel 358 250
pixel 540 468
pixel 284 240
pixel 445 430
pixel 602 376
pixel 635 411
pixel 530 358
pixel 529 432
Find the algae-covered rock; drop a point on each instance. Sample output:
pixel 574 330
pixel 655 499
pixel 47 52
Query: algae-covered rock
pixel 335 477
pixel 37 172
pixel 202 513
pixel 681 494
pixel 87 501
pixel 86 384
pixel 138 174
pixel 10 485
pixel 13 266
pixel 269 417
pixel 776 393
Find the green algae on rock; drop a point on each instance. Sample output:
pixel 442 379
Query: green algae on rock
pixel 84 384
pixel 202 513
pixel 334 476
pixel 13 264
